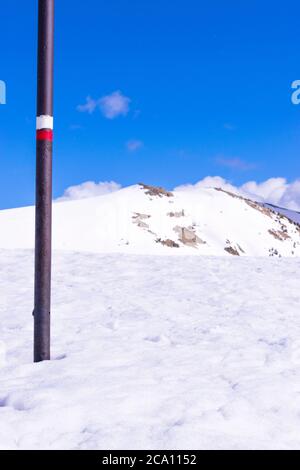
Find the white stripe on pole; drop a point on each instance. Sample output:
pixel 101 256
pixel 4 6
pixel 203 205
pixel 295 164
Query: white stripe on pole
pixel 44 122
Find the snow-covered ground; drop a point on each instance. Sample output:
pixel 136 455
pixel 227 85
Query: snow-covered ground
pixel 153 353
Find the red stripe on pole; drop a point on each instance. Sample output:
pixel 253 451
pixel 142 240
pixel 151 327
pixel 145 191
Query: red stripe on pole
pixel 44 135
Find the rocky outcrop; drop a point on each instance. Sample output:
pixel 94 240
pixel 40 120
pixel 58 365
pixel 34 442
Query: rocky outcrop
pixel 155 190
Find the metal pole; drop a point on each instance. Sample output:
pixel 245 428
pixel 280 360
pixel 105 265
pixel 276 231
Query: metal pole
pixel 44 137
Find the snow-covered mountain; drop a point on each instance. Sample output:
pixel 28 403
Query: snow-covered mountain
pixel 293 215
pixel 144 219
pixel 152 352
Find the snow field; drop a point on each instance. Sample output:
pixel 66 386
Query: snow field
pixel 153 352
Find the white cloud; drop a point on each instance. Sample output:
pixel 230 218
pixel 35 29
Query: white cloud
pixel 291 197
pixel 208 182
pixel 88 189
pixel 88 107
pixel 114 105
pixel 111 106
pixel 133 145
pixel 275 191
pixel 271 190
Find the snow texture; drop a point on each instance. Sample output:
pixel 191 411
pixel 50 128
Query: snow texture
pixel 153 352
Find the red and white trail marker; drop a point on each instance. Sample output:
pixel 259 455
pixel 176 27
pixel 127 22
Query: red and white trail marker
pixel 43 221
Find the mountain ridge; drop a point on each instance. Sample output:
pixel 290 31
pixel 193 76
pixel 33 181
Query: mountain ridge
pixel 145 219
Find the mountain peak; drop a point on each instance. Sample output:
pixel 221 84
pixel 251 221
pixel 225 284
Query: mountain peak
pixel 155 190
pixel 145 219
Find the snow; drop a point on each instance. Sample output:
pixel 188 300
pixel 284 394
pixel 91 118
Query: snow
pixel 153 352
pixel 131 221
pixel 293 215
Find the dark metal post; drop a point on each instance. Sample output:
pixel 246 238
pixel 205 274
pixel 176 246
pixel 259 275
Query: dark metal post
pixel 44 137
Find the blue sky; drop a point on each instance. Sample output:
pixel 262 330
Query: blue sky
pixel 209 85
